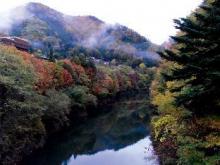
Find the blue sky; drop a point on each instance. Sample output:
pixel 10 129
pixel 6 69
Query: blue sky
pixel 151 18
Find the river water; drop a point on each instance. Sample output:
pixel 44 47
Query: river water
pixel 119 136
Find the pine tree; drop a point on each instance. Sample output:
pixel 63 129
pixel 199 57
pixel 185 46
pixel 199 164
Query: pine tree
pixel 197 53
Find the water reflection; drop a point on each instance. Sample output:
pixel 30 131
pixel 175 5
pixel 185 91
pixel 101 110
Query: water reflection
pixel 135 154
pixel 119 137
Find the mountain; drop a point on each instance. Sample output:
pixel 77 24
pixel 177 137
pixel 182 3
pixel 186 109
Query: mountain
pixel 51 31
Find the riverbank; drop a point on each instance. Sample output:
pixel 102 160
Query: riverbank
pixel 118 135
pixel 76 117
pixel 179 135
pixel 40 98
pixel 186 140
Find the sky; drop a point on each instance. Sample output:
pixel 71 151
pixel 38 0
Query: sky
pixel 151 18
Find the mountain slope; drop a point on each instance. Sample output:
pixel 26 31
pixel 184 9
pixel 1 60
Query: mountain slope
pixel 49 29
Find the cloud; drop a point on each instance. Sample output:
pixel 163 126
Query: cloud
pixel 12 17
pixel 151 18
pixel 100 37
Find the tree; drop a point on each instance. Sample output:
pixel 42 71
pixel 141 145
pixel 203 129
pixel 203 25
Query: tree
pixel 196 57
pixel 50 53
pixel 142 66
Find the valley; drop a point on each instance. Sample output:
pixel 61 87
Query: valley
pixel 78 90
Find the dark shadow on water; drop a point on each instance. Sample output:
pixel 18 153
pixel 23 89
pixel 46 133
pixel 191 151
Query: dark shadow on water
pixel 123 126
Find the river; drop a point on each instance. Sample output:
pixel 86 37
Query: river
pixel 118 136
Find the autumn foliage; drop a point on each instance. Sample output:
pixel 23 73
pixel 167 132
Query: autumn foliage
pixel 100 80
pixel 39 97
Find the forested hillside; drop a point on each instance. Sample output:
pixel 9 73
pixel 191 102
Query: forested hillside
pixel 75 65
pixel 39 97
pixel 186 91
pixel 55 35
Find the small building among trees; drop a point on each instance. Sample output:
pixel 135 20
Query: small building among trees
pixel 19 43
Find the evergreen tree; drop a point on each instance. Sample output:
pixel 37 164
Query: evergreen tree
pixel 197 54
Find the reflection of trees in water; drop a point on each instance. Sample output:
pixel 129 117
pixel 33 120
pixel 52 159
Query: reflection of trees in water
pixel 114 130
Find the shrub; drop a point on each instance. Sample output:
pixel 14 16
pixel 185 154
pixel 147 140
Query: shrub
pixel 57 110
pixel 81 97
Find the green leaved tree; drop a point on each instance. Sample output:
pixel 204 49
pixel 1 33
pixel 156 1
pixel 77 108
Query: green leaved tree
pixel 195 56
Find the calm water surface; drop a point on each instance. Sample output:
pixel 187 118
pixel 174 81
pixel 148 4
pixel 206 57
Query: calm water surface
pixel 118 137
